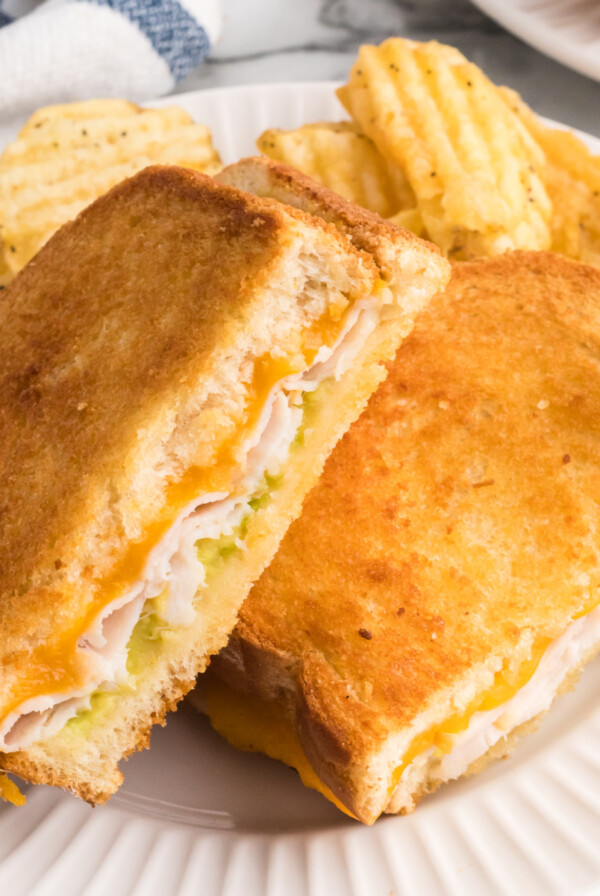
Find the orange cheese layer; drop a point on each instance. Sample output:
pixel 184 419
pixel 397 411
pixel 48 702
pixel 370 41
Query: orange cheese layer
pixel 501 691
pixel 56 667
pixel 10 792
pixel 258 726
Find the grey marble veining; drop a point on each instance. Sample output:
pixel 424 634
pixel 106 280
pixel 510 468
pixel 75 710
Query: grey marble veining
pixel 309 40
pixel 393 16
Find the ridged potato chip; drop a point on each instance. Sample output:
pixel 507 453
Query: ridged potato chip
pixel 68 155
pixel 410 219
pixel 339 156
pixel 473 167
pixel 572 179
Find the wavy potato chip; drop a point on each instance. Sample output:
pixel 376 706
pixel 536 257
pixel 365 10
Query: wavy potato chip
pixel 410 219
pixel 342 158
pixel 572 179
pixel 473 166
pixel 68 155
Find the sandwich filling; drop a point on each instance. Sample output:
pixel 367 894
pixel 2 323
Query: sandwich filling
pixel 174 571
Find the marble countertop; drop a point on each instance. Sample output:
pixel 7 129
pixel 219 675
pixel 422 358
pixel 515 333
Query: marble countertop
pixel 311 40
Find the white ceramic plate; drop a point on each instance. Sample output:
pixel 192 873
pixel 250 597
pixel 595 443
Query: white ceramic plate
pixel 195 816
pixel 566 30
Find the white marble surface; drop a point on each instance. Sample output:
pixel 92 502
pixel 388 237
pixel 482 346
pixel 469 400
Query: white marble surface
pixel 308 40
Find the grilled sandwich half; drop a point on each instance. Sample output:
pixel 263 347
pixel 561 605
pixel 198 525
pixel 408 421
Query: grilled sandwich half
pixel 442 584
pixel 175 366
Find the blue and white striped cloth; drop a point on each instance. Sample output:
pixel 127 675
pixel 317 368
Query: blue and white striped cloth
pixel 60 50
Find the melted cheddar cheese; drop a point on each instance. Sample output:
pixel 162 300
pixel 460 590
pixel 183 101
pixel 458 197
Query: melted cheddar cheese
pixel 258 726
pixel 504 687
pixel 442 736
pixel 10 792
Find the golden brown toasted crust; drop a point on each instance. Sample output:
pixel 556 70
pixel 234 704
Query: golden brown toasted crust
pixel 119 321
pixel 455 521
pixel 400 255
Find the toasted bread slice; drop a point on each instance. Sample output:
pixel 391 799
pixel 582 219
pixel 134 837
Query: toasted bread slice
pixel 175 366
pixel 407 267
pixel 442 583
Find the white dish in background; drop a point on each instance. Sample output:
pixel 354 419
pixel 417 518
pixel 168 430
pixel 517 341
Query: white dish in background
pixel 195 816
pixel 566 30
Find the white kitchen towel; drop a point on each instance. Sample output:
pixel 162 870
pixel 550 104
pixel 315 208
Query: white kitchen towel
pixel 60 50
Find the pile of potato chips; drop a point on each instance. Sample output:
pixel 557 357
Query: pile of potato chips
pixel 438 148
pixel 433 145
pixel 66 156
